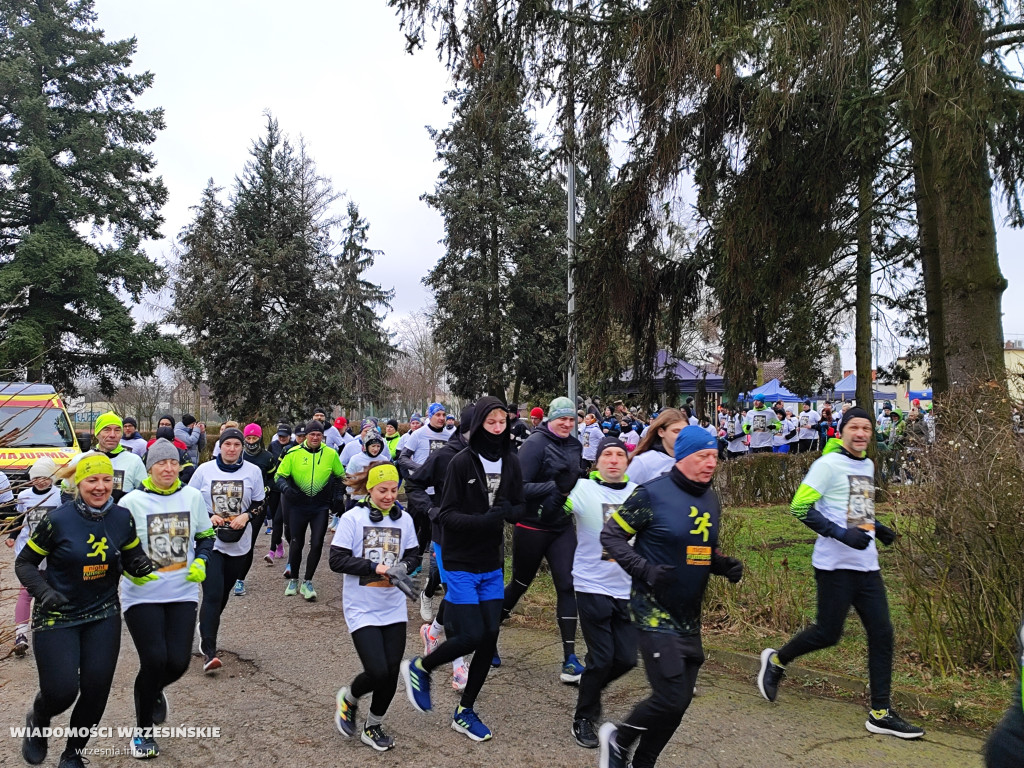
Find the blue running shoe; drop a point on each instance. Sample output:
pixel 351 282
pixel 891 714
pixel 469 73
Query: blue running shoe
pixel 466 721
pixel 417 684
pixel 496 660
pixel 143 748
pixel 239 587
pixel 572 670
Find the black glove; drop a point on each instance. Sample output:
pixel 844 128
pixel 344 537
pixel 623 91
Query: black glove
pixel 855 537
pixel 732 569
pixel 51 599
pixel 399 576
pixel 498 513
pixel 885 534
pixel 659 576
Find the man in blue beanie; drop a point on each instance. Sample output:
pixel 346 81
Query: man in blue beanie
pixel 675 520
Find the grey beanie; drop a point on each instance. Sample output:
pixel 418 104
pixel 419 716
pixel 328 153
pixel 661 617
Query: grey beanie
pixel 159 451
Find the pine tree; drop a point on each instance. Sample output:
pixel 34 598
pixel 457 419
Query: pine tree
pixel 77 198
pixel 257 290
pixel 499 288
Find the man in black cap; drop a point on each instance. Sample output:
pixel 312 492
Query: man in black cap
pixel 131 438
pixel 837 501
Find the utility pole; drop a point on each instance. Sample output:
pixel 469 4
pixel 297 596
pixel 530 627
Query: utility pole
pixel 570 135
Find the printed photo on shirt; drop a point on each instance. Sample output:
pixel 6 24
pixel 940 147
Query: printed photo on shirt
pixel 860 509
pixel 437 445
pixel 34 514
pixel 118 479
pixel 759 423
pixel 227 497
pixel 606 512
pixel 380 545
pixel 168 534
pixel 493 481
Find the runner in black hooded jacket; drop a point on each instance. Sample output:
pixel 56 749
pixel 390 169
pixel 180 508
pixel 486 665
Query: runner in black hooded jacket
pixel 550 464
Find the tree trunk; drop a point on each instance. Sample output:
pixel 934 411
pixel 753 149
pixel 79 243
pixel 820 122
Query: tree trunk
pixel 949 106
pixel 862 328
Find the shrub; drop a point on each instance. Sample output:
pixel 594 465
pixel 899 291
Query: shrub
pixel 962 549
pixel 764 478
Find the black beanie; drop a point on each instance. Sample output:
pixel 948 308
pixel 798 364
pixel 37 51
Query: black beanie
pixel 855 413
pixel 314 426
pixel 231 433
pixel 167 433
pixel 130 420
pixel 393 423
pixel 609 442
pixel 188 419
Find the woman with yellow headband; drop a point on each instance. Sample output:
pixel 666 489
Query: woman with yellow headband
pixel 375 547
pixel 87 543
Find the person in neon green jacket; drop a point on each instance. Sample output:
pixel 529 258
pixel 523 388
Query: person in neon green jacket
pixel 309 477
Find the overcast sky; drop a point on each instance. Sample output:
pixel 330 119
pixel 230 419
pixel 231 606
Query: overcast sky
pixel 335 72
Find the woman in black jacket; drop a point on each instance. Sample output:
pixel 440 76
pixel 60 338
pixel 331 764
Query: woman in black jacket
pixel 483 489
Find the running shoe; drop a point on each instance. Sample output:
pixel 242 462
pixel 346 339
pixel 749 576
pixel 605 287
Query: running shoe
pixel 72 760
pixel 891 724
pixel 426 607
pixel 572 670
pixel 20 644
pixel 584 734
pixel 288 571
pixel 417 684
pixel 307 591
pixel 465 721
pixel 143 748
pixel 279 552
pixel 292 588
pixel 33 748
pixel 374 736
pixel 460 675
pixel 345 715
pixel 269 558
pixel 429 641
pixel 160 709
pixel 770 674
pixel 239 587
pixel 270 530
pixel 212 665
pixel 611 755
pixel 496 659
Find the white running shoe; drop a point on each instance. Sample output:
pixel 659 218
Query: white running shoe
pixel 426 607
pixel 459 677
pixel 430 642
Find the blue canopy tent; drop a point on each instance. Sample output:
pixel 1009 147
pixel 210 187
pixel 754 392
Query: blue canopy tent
pixel 847 390
pixel 684 377
pixel 919 394
pixel 773 391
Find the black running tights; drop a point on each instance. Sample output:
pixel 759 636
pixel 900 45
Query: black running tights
pixel 469 628
pixel 380 650
pixel 315 521
pixel 221 573
pixel 163 639
pixel 76 663
pixel 529 547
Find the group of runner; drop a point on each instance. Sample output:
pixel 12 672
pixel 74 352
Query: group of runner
pixel 630 533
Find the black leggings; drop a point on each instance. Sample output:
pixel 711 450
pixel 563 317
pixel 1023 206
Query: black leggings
pixel 76 663
pixel 278 515
pixel 671 663
pixel 529 547
pixel 469 628
pixel 316 522
pixel 221 573
pixel 163 639
pixel 837 591
pixel 380 650
pixel 611 648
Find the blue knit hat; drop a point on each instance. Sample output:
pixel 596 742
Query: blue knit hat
pixel 433 409
pixel 692 439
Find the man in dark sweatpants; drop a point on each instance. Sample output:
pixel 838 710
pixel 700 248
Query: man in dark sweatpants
pixel 675 520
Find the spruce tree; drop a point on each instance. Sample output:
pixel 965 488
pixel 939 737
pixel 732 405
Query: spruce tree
pixel 77 199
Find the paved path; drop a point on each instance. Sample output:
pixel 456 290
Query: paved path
pixel 285 659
